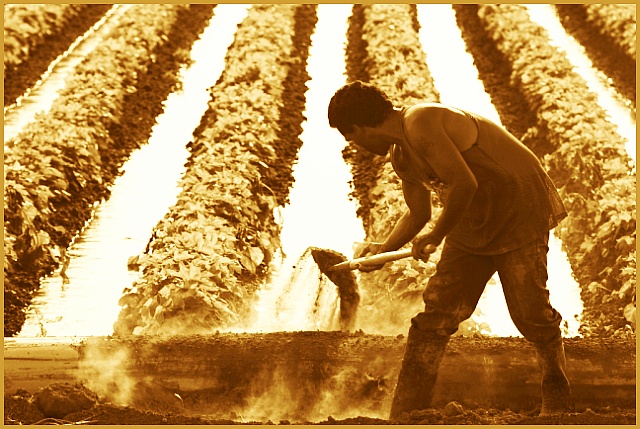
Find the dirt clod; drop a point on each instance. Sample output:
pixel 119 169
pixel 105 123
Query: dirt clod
pixel 58 400
pixel 21 408
pixel 453 409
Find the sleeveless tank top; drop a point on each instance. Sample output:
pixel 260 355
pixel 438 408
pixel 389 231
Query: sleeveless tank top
pixel 515 202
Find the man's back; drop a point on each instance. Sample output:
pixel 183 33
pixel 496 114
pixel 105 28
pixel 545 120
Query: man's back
pixel 515 200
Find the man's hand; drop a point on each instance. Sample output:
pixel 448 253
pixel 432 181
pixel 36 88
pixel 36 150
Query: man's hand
pixel 369 249
pixel 423 246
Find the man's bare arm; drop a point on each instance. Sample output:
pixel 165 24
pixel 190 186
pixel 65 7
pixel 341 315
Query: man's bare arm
pixel 449 165
pixel 418 200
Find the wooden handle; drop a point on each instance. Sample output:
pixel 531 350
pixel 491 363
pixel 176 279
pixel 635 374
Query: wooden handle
pixel 380 258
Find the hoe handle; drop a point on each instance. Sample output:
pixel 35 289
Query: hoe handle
pixel 380 258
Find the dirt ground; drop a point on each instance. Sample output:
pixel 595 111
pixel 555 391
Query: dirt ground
pixel 20 409
pixel 249 369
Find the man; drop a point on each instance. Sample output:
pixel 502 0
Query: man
pixel 498 208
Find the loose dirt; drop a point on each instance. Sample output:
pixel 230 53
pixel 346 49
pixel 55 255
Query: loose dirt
pixel 21 408
pixel 344 280
pixel 321 378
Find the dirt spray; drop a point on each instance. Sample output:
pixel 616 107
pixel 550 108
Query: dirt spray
pixel 344 280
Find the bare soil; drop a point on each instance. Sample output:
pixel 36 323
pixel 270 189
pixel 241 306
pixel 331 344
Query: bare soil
pixel 21 409
pixel 219 376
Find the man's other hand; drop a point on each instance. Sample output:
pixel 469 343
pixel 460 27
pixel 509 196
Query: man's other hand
pixel 423 246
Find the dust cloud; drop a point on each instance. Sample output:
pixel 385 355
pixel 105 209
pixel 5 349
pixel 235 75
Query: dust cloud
pixel 303 297
pixel 106 372
pixel 280 395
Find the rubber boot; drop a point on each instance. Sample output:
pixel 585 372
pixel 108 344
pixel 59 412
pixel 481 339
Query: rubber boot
pixel 422 357
pixel 556 391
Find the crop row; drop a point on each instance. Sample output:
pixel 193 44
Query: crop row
pixel 588 160
pixel 617 22
pixel 27 26
pixel 35 34
pixel 212 250
pixel 385 43
pixel 63 163
pixel 604 45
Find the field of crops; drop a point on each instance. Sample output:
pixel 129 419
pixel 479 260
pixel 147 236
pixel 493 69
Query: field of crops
pixel 208 255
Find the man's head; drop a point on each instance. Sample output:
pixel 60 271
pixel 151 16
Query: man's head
pixel 358 103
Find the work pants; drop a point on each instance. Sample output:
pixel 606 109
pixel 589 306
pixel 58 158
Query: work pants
pixel 452 293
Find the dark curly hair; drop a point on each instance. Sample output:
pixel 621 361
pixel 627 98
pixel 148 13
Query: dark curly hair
pixel 358 103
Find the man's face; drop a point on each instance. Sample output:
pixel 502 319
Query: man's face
pixel 368 139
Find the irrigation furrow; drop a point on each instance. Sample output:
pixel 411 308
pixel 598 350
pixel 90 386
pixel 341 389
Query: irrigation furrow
pixel 587 160
pixel 610 46
pixel 319 213
pixel 617 22
pixel 62 164
pixel 453 70
pixel 563 122
pixel 616 109
pixel 87 304
pixel 395 61
pixel 35 34
pixel 212 250
pixel 37 99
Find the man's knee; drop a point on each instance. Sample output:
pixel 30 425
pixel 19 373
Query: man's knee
pixel 436 322
pixel 537 332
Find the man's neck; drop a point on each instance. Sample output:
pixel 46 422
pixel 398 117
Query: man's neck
pixel 392 126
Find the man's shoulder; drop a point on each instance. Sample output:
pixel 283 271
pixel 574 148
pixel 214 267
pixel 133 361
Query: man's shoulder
pixel 432 110
pixel 425 116
pixel 428 106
